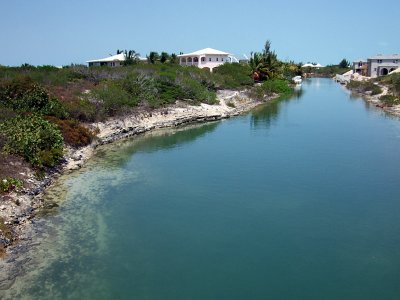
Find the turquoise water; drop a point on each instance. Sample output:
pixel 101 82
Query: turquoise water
pixel 299 199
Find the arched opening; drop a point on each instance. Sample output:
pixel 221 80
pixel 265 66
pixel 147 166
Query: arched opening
pixel 203 59
pixel 196 59
pixel 183 60
pixel 384 71
pixel 189 60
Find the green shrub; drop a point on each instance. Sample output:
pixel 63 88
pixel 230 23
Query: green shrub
pixel 83 110
pixel 34 138
pixel 364 86
pixel 234 75
pixel 276 86
pixel 9 183
pixel 112 97
pixel 55 108
pixel 269 88
pixel 390 100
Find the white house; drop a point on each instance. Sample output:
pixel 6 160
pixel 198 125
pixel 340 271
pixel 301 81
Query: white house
pixel 207 58
pixel 111 61
pixel 378 65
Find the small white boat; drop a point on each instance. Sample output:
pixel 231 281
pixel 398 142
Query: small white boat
pixel 297 79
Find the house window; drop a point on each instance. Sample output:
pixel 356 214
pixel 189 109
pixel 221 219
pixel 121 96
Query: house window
pixel 216 59
pixel 209 59
pixel 375 69
pixel 222 59
pixel 379 61
pixel 203 59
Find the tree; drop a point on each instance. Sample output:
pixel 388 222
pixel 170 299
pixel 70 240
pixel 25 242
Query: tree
pixel 153 57
pixel 131 57
pixel 164 57
pixel 265 65
pixel 344 63
pixel 173 59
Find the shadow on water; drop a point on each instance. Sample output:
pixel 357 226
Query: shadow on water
pixel 265 116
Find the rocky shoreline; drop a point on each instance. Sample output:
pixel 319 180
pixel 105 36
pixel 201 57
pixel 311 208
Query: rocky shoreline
pixel 19 208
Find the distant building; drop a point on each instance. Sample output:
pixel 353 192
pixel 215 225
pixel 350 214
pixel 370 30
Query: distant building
pixel 207 58
pixel 378 65
pixel 360 67
pixel 111 61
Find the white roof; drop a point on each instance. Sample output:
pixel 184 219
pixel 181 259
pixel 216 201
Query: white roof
pixel 205 51
pixel 390 56
pixel 117 57
pixel 312 66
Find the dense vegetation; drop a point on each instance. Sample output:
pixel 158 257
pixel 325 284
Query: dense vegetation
pixel 265 65
pixel 43 108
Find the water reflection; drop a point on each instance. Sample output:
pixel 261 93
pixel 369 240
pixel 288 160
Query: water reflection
pixel 265 116
pixel 117 154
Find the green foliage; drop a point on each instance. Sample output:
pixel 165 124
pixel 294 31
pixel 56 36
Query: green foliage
pixel 269 88
pixel 344 63
pixel 364 86
pixel 265 65
pixel 83 110
pixel 291 69
pixel 55 108
pixel 112 97
pixel 234 75
pixel 8 184
pixel 164 57
pixel 34 138
pixel 393 81
pixel 153 57
pixel 173 59
pixel 390 100
pixel 131 57
pixel 22 94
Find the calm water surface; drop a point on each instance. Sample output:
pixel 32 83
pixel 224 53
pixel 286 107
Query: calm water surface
pixel 299 199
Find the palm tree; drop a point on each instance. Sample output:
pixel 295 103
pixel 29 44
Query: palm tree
pixel 153 57
pixel 265 65
pixel 131 57
pixel 164 57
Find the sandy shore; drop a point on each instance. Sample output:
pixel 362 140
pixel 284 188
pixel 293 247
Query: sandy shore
pixel 18 209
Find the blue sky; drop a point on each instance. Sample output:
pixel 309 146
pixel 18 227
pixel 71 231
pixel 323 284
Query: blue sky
pixel 62 32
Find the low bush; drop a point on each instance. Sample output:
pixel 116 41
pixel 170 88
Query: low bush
pixel 233 75
pixel 84 110
pixel 269 88
pixel 34 138
pixel 74 134
pixel 113 97
pixel 9 183
pixel 390 100
pixel 364 86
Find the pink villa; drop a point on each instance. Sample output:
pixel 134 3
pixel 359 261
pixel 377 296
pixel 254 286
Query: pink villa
pixel 207 58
